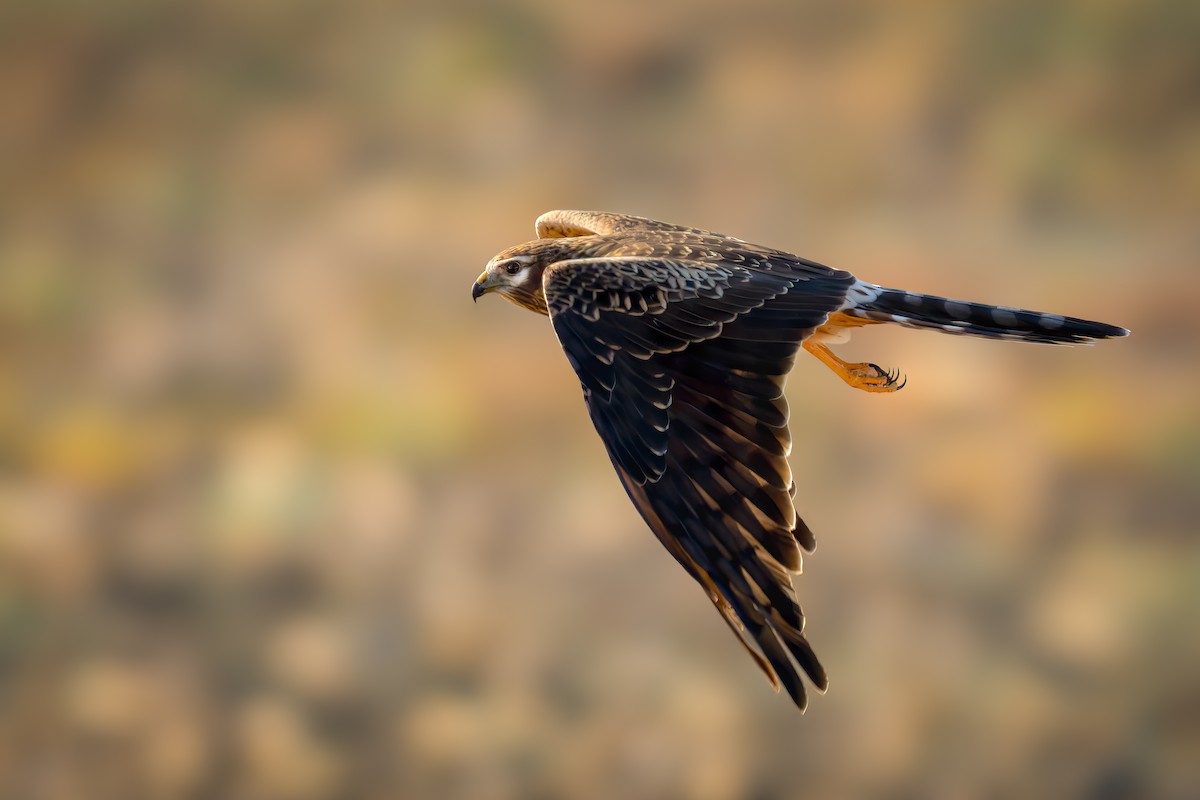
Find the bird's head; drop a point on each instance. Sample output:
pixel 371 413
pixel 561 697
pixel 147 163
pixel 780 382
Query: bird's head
pixel 516 273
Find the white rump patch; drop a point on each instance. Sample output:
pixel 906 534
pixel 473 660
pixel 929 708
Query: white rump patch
pixel 860 293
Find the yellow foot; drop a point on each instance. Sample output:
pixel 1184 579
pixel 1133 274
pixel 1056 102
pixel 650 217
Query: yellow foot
pixel 868 377
pixel 872 378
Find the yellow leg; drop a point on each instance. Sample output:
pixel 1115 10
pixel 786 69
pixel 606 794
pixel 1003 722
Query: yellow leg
pixel 868 377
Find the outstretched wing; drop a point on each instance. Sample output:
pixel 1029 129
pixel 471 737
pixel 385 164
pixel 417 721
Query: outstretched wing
pixel 683 365
pixel 562 224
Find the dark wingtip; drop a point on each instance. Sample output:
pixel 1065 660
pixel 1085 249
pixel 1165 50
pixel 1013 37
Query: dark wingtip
pixel 804 536
pixel 803 653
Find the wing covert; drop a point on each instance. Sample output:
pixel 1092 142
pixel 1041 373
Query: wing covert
pixel 565 223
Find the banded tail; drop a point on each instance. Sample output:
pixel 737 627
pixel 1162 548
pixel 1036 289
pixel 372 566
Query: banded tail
pixel 880 304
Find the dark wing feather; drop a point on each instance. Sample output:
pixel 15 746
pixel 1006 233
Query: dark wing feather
pixel 682 365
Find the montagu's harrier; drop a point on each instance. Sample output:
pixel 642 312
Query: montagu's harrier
pixel 682 339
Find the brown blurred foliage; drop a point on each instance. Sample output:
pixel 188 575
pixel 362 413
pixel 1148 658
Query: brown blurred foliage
pixel 282 515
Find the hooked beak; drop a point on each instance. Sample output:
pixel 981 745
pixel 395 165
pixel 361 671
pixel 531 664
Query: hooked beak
pixel 479 288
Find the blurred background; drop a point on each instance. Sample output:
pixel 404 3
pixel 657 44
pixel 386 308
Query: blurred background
pixel 284 515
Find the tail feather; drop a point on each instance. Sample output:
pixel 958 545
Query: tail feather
pixel 880 304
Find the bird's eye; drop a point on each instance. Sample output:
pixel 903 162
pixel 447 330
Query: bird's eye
pixel 512 267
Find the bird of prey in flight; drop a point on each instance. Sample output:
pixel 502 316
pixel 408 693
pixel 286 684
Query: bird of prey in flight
pixel 682 339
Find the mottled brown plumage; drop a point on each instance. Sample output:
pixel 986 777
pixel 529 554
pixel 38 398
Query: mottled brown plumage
pixel 682 340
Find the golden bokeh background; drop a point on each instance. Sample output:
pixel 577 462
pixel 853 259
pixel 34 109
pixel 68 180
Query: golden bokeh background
pixel 283 515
